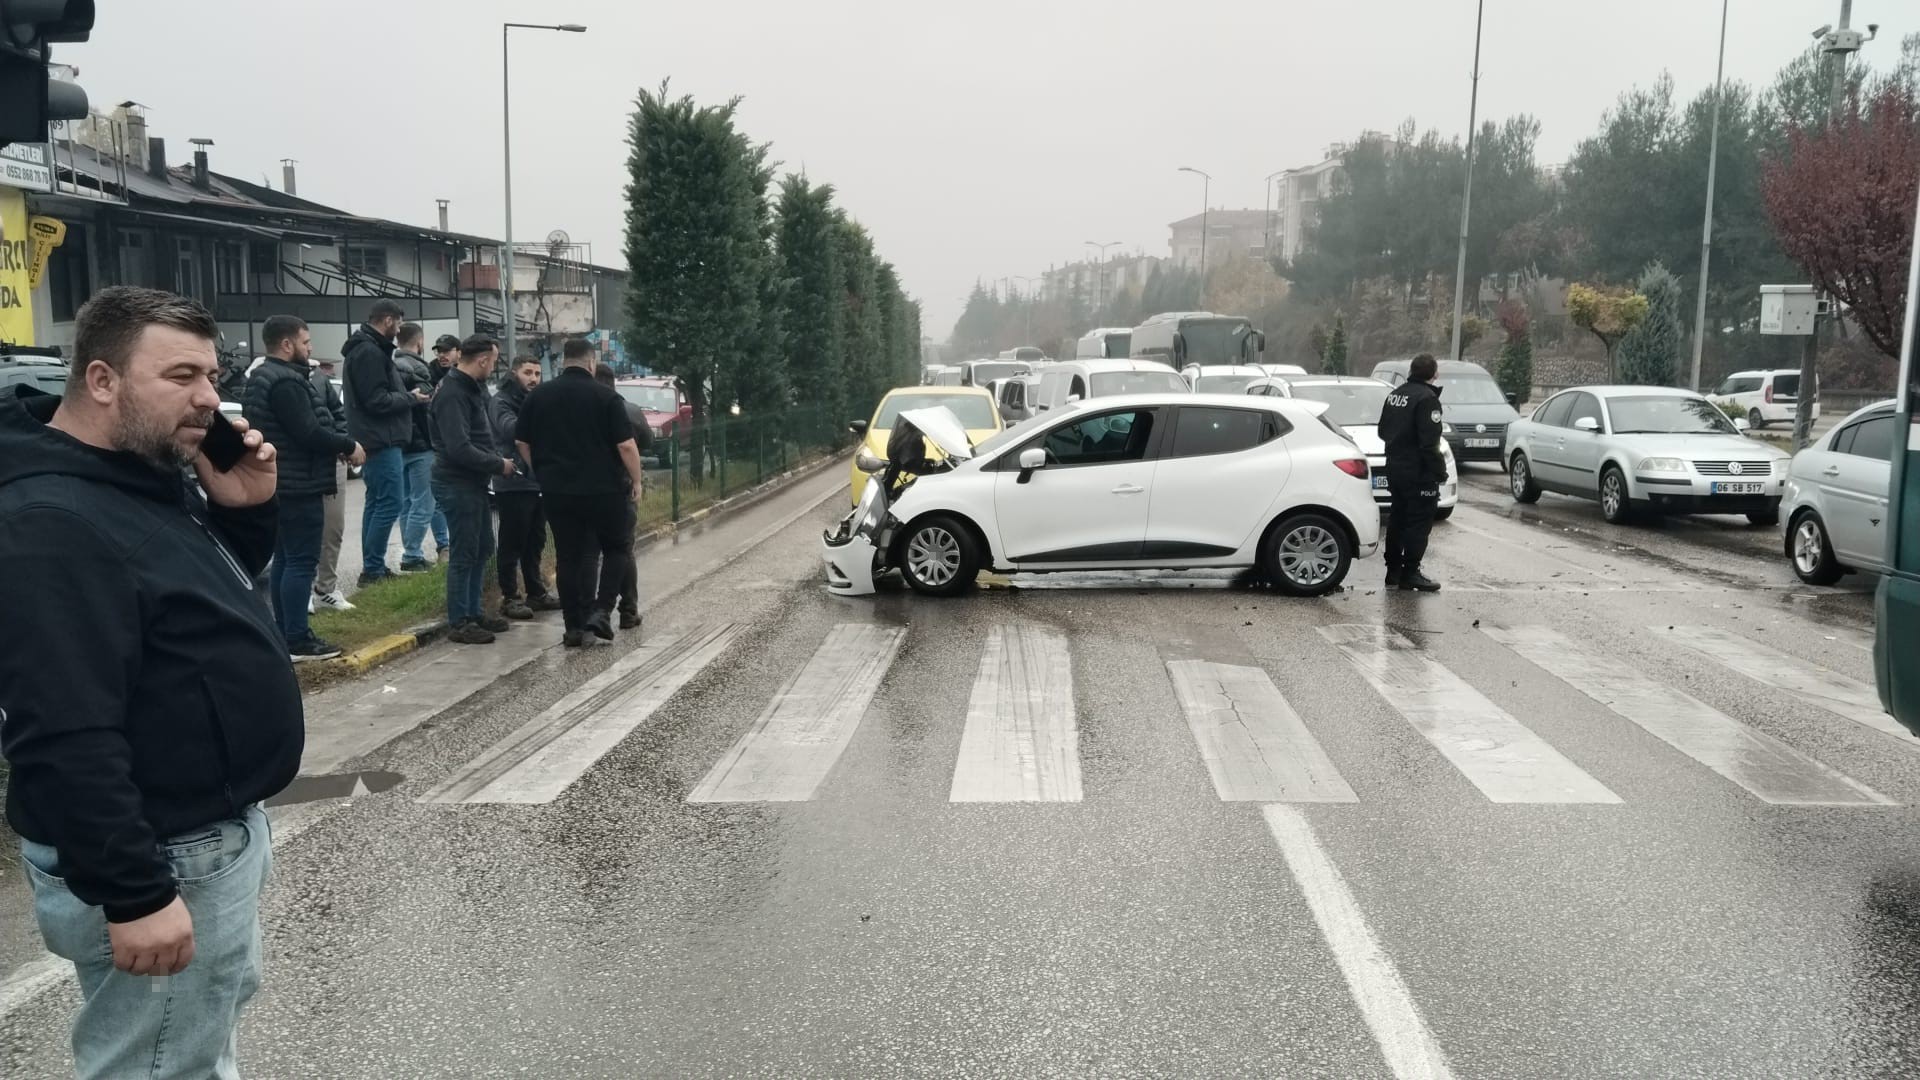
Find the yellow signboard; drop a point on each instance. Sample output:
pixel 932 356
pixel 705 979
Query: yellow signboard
pixel 45 234
pixel 16 301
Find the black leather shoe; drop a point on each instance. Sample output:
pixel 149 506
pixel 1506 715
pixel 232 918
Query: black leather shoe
pixel 574 639
pixel 1393 577
pixel 1418 582
pixel 601 625
pixel 629 620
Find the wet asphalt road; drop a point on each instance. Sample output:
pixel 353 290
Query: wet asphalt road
pixel 1685 927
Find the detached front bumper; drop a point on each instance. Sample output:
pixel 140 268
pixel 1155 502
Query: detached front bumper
pixel 852 549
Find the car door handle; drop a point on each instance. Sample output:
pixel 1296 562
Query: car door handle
pixel 1128 489
pixel 1833 471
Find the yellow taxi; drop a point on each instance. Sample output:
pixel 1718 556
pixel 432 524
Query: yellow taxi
pixel 973 406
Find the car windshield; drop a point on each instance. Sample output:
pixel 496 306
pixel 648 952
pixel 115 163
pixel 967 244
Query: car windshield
pixel 974 411
pixel 1118 344
pixel 1349 404
pixel 1000 369
pixel 660 399
pixel 1224 384
pixel 1108 383
pixel 1216 341
pixel 1471 390
pixel 1668 415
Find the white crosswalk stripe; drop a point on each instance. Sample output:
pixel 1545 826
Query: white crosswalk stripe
pixel 1255 746
pixel 1766 767
pixel 796 742
pixel 1499 754
pixel 548 753
pixel 1021 743
pixel 1811 683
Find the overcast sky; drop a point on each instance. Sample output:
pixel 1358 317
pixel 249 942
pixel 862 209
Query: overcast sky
pixel 974 140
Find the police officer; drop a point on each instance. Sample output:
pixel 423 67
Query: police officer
pixel 1410 426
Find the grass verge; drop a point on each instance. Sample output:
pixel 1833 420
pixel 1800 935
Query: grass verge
pixel 387 607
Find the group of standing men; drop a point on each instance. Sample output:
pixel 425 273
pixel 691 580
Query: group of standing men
pixel 435 441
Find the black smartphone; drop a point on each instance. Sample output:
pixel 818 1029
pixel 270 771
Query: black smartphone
pixel 223 445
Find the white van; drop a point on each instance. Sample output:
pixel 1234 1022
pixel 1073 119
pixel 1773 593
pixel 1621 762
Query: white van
pixel 1026 354
pixel 1077 380
pixel 1104 343
pixel 987 372
pixel 1767 397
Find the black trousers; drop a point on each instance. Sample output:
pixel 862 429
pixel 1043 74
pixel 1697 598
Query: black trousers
pixel 523 539
pixel 1410 521
pixel 592 537
pixel 630 569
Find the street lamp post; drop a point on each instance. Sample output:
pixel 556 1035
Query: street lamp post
pixel 1466 201
pixel 507 322
pixel 1706 225
pixel 1100 271
pixel 1028 300
pixel 1206 186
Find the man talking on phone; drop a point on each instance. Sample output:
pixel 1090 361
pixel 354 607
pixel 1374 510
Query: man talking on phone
pixel 286 408
pixel 147 705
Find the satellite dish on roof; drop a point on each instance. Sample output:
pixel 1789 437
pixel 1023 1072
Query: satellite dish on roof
pixel 558 238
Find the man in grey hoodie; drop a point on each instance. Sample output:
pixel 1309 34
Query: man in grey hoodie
pixel 417 509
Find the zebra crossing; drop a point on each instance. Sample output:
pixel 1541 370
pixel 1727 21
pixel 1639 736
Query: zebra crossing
pixel 1021 737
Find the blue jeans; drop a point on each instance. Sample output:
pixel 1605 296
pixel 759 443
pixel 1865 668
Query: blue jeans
pixel 165 1026
pixel 385 476
pixel 296 560
pixel 471 526
pixel 421 508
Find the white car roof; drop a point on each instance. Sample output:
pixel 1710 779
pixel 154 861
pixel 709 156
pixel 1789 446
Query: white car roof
pixel 1636 391
pixel 1297 411
pixel 1227 369
pixel 1101 367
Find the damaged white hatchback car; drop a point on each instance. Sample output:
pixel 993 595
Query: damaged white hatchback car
pixel 1155 481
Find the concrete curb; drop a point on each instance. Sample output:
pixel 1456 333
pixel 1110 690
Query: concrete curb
pixel 393 646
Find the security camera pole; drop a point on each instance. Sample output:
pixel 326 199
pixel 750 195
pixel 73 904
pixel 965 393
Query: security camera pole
pixel 1836 44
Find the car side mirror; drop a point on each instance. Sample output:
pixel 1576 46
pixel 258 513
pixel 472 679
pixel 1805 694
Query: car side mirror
pixel 1032 459
pixel 1259 341
pixel 1513 400
pixel 1071 398
pixel 869 462
pixel 858 427
pixel 1587 424
pixel 1740 424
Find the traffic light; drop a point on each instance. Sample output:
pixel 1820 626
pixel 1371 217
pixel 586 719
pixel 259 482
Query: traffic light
pixel 29 99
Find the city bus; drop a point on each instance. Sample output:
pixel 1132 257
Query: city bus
pixel 1181 339
pixel 1896 643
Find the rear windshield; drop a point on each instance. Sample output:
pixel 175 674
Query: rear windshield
pixel 1109 383
pixel 1224 384
pixel 1349 404
pixel 1003 369
pixel 1788 385
pixel 974 411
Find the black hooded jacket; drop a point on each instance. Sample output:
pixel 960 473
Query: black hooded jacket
pixel 144 690
pixel 1410 425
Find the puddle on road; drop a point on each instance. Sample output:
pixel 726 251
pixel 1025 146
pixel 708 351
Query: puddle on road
pixel 306 789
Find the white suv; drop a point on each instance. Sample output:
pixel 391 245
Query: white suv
pixel 1767 397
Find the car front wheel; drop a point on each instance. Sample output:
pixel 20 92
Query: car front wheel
pixel 1520 480
pixel 938 557
pixel 1308 555
pixel 1616 505
pixel 1812 555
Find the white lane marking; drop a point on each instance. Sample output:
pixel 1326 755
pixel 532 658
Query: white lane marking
pixel 31 979
pixel 1766 767
pixel 1503 758
pixel 1817 686
pixel 544 756
pixel 785 755
pixel 1020 743
pixel 1256 747
pixel 1385 1003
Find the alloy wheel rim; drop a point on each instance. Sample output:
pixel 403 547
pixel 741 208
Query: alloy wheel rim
pixel 1806 546
pixel 934 555
pixel 1308 555
pixel 1519 476
pixel 1610 493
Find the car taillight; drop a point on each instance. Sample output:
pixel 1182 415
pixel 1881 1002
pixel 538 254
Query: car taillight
pixel 1355 467
pixel 1769 393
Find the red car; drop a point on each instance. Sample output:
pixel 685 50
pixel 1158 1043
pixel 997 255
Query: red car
pixel 668 411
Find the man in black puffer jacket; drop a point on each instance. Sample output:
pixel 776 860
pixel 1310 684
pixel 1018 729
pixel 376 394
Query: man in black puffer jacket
pixel 283 404
pixel 147 707
pixel 380 419
pixel 1410 425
